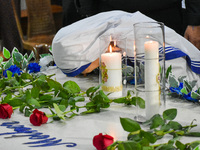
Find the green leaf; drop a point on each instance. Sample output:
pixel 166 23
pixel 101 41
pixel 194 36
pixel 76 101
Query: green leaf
pixel 28 95
pixel 8 64
pixel 54 85
pixel 71 87
pixel 180 145
pixel 149 136
pixel 14 58
pixel 91 90
pixel 195 145
pixel 129 125
pixel 90 104
pixel 193 134
pixel 58 111
pixel 56 118
pixel 26 76
pixel 72 101
pixel 129 145
pixel 7 98
pixel 104 96
pixel 62 108
pixel 173 82
pixel 140 102
pixel 195 95
pixel 184 90
pixel 175 125
pixel 56 99
pixel 31 56
pixel 21 109
pixel 198 91
pixel 79 99
pixel 15 102
pixel 167 147
pixel 18 56
pixel 9 74
pixel 35 92
pixel 165 127
pixel 26 56
pixel 169 70
pixel 46 97
pixel 41 83
pixel 27 112
pixel 156 121
pixel 120 100
pixel 170 114
pixel 15 50
pixel 6 53
pixel 24 64
pixel 1 59
pixel 64 102
pixel 34 102
pixel 188 86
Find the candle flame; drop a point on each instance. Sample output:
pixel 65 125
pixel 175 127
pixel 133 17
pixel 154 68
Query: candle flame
pixel 115 43
pixel 110 38
pixel 110 49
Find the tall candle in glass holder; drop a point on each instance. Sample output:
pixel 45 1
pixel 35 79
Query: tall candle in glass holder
pixel 152 78
pixel 111 71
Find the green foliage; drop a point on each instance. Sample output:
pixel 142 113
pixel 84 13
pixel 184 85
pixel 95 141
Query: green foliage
pixel 159 126
pixel 129 125
pixel 131 100
pixel 14 58
pixel 173 81
pixel 169 70
pixel 6 53
pixel 187 90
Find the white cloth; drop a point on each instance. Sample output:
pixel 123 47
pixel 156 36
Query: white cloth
pixel 77 45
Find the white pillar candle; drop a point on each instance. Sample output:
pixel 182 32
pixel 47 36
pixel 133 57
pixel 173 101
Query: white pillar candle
pixel 113 64
pixel 152 75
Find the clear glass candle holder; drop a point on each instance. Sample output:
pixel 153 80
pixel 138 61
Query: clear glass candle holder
pixel 112 64
pixel 149 67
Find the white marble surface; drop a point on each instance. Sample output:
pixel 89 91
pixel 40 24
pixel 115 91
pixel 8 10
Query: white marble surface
pixel 82 129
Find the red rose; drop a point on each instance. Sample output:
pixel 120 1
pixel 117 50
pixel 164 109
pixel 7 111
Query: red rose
pixel 5 111
pixel 101 142
pixel 38 118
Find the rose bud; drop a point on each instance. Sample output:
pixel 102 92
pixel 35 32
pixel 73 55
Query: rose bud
pixel 38 118
pixel 101 142
pixel 5 111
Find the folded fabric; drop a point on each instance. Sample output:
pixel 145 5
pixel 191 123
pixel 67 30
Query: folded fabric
pixel 76 46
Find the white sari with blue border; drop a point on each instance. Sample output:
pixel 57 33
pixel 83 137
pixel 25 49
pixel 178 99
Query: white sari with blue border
pixel 77 45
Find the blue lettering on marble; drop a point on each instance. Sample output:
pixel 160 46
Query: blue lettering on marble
pixel 33 134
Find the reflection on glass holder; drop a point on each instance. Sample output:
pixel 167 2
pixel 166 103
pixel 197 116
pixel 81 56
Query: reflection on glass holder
pixel 113 61
pixel 149 67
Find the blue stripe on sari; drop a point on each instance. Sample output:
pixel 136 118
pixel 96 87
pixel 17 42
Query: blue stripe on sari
pixel 173 53
pixel 75 71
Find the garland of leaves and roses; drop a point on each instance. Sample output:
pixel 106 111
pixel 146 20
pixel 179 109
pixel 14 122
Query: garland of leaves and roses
pixel 159 126
pixel 26 90
pixel 21 87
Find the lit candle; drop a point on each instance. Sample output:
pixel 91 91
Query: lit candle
pixel 152 84
pixel 112 73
